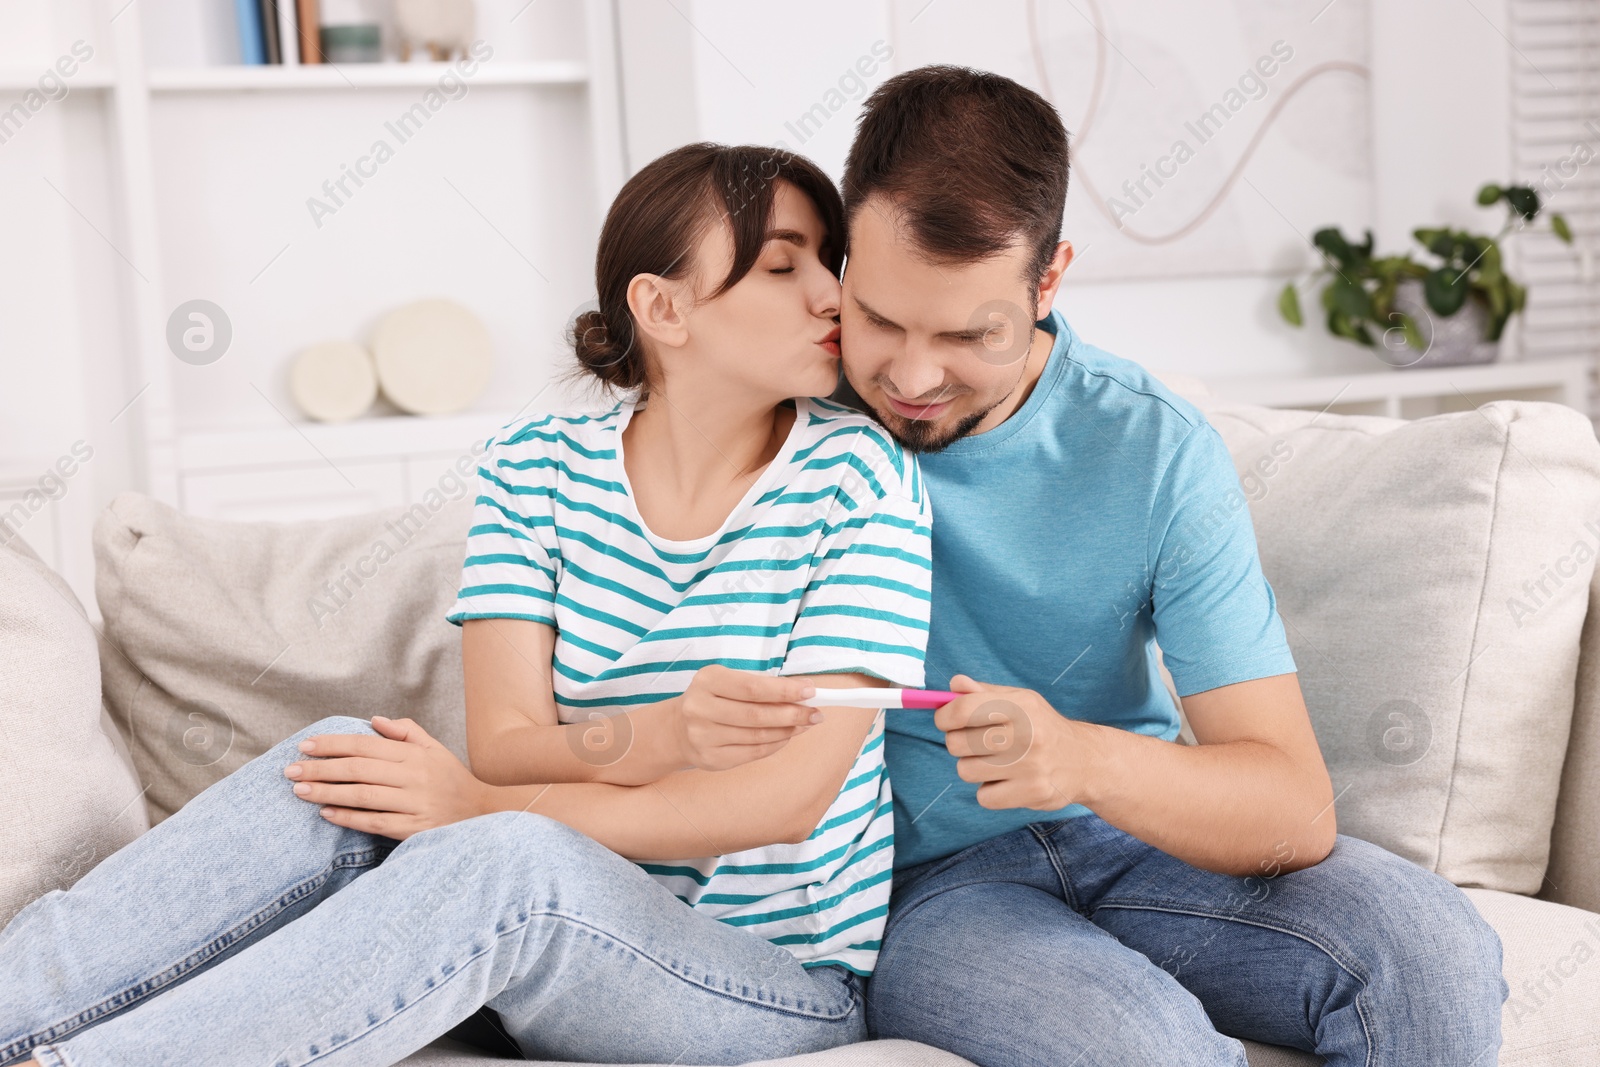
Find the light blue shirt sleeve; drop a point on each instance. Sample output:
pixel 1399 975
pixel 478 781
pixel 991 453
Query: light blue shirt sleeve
pixel 1216 616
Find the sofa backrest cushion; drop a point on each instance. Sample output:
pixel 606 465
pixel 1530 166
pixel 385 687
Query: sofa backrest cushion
pixel 70 797
pixel 1433 577
pixel 233 636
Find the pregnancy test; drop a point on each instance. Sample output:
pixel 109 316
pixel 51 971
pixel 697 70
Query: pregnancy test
pixel 867 697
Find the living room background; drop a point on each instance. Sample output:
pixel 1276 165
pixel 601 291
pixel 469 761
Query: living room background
pixel 165 172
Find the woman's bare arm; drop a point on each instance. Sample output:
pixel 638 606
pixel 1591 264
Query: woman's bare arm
pixel 514 736
pixel 625 784
pixel 693 813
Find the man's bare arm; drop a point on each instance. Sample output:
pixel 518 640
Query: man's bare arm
pixel 1253 797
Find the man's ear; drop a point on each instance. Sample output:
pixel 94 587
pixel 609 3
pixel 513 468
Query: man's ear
pixel 654 303
pixel 1050 280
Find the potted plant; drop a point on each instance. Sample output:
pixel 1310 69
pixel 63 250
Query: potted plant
pixel 1453 310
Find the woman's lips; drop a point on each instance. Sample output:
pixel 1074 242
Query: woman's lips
pixel 831 346
pixel 917 411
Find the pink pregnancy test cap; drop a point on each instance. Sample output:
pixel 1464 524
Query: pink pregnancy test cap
pixel 926 698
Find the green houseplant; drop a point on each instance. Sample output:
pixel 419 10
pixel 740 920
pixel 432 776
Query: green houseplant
pixel 1363 292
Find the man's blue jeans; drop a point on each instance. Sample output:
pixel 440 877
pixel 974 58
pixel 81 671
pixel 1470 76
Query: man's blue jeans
pixel 1072 942
pixel 248 930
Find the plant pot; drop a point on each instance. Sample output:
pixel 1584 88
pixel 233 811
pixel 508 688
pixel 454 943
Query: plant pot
pixel 1448 341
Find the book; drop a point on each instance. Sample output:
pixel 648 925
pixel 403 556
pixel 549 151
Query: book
pixel 309 18
pixel 251 47
pixel 269 31
pixel 288 33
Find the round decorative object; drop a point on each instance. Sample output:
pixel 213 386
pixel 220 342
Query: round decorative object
pixel 433 357
pixel 333 381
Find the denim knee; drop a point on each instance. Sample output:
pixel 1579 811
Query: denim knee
pixel 538 839
pixel 1440 970
pixel 522 852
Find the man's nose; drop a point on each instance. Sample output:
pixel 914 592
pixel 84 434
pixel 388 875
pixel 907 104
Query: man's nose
pixel 916 379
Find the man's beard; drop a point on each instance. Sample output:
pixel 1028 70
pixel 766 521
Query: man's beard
pixel 915 435
pixel 921 435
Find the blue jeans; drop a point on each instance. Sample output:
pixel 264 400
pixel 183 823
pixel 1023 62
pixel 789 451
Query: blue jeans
pixel 1072 942
pixel 247 929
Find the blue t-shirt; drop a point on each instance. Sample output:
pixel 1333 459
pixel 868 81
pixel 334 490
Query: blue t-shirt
pixel 1105 514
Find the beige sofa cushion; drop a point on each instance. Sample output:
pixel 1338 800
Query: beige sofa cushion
pixel 237 635
pixel 71 798
pixel 1552 964
pixel 1406 558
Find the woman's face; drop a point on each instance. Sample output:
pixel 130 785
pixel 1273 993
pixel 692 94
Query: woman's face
pixel 775 334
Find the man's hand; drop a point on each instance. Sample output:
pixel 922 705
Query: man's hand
pixel 1025 753
pixel 394 785
pixel 727 717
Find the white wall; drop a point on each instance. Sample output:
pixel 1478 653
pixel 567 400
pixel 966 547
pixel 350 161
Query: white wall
pixel 1426 150
pixel 60 372
pixel 233 172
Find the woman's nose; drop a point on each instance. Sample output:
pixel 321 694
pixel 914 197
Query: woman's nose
pixel 829 295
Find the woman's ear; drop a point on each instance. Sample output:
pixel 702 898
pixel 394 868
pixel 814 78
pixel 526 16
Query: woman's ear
pixel 653 301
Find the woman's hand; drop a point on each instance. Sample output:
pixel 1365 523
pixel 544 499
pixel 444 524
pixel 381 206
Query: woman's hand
pixel 393 785
pixel 727 718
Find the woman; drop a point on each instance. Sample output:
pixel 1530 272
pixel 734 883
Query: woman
pixel 648 592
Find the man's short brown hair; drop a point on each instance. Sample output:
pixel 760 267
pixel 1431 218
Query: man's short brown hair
pixel 973 160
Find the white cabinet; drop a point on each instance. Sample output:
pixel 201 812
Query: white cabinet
pixel 294 494
pixel 313 471
pixel 1416 392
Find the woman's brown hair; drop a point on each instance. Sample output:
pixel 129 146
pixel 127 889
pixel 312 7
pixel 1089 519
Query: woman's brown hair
pixel 659 217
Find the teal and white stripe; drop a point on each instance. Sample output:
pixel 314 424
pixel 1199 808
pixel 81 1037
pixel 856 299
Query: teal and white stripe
pixel 823 567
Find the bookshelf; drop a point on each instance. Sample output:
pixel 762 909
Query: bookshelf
pixel 357 76
pixel 230 444
pixel 168 172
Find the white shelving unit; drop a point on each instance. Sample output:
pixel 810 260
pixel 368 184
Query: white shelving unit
pixel 252 475
pixel 221 440
pixel 20 81
pixel 357 76
pixel 1415 392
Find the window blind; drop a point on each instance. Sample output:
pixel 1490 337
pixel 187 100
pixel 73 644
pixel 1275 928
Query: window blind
pixel 1555 139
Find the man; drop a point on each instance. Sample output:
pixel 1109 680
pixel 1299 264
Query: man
pixel 1071 886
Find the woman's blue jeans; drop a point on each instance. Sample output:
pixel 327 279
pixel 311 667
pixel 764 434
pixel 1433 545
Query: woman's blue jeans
pixel 1073 942
pixel 246 929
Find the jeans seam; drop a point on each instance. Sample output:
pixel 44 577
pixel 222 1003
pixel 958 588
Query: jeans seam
pixel 214 947
pixel 1366 1031
pixel 461 968
pixel 1351 970
pixel 57 1056
pixel 642 954
pixel 1276 927
pixel 1068 893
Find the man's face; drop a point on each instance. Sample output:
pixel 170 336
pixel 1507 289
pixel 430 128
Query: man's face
pixel 934 350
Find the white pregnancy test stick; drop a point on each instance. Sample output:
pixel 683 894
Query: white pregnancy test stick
pixel 866 697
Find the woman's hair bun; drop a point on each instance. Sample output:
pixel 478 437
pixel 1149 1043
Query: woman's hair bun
pixel 601 352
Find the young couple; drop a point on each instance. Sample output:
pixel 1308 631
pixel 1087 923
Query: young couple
pixel 660 854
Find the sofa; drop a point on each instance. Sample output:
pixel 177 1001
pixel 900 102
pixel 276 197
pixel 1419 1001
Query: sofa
pixel 1435 578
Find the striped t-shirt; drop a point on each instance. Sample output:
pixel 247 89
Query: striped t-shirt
pixel 822 567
